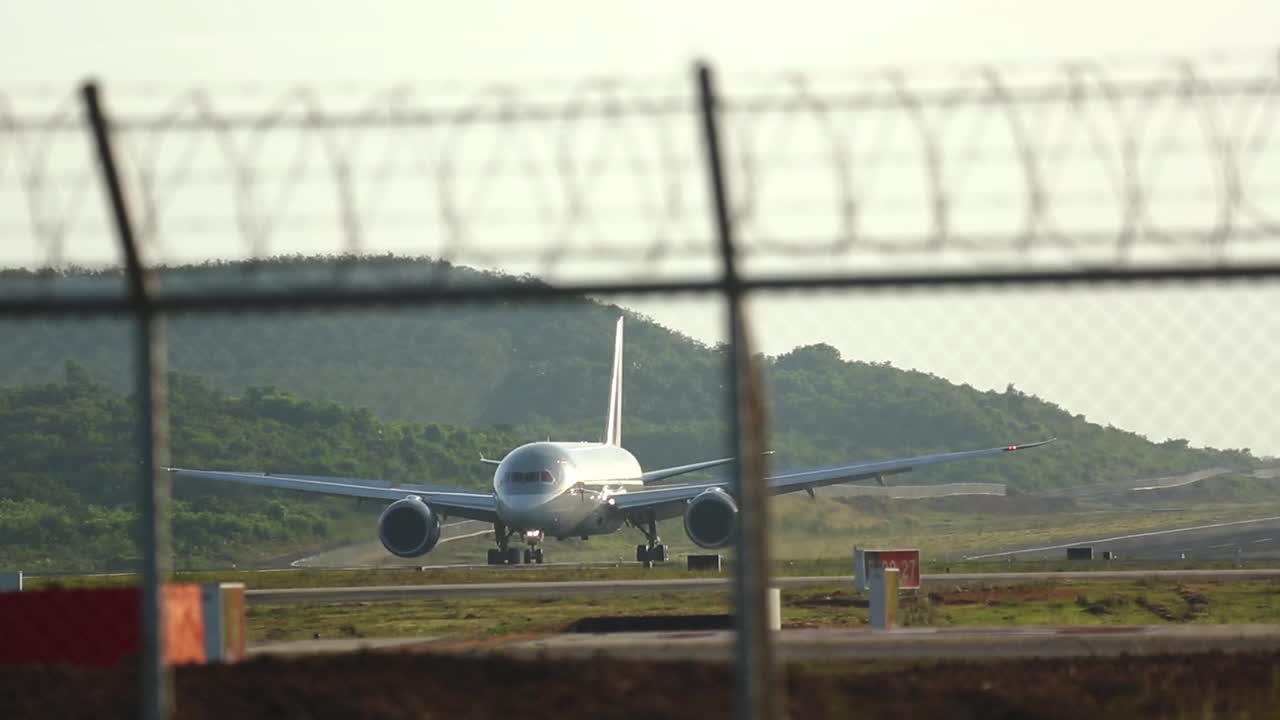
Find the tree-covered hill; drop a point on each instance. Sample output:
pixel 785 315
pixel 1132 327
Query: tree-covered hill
pixel 472 365
pixel 545 368
pixel 418 394
pixel 68 467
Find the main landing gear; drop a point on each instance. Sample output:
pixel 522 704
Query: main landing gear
pixel 504 554
pixel 653 551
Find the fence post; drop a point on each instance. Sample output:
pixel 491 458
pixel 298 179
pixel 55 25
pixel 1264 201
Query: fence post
pixel 755 689
pixel 152 427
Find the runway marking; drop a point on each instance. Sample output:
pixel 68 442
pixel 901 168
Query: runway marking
pixel 1152 533
pixel 463 537
pixel 1255 542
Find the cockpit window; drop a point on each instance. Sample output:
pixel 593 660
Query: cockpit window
pixel 531 477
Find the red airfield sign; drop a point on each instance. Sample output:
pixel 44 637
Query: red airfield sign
pixel 906 561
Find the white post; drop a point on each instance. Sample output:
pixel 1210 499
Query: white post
pixel 775 608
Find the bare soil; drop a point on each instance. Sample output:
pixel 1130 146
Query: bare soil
pixel 1196 605
pixel 1002 596
pixel 427 685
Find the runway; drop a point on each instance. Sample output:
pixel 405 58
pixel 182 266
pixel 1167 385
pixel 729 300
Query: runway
pixel 294 596
pixel 1244 539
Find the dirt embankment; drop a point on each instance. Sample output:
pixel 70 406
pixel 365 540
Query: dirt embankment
pixel 406 685
pixel 965 504
pixel 1227 488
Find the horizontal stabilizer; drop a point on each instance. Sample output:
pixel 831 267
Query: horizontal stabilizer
pixel 654 476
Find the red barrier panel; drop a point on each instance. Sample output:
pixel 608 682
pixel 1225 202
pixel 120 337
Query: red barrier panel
pixel 184 641
pixel 95 627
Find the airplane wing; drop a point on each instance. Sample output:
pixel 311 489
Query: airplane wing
pixel 669 501
pixel 453 502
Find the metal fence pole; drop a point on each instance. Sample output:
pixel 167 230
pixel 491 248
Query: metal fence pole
pixel 152 425
pixel 755 690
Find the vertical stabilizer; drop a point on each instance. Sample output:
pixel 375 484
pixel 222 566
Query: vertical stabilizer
pixel 613 431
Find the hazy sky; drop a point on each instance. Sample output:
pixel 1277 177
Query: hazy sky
pixel 1166 362
pixel 150 41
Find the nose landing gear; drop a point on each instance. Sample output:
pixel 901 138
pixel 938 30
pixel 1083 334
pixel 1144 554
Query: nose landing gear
pixel 504 554
pixel 533 553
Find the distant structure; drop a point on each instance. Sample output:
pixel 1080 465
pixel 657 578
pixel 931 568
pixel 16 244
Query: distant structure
pixel 913 492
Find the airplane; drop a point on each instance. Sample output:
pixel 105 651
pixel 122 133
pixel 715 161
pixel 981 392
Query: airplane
pixel 576 489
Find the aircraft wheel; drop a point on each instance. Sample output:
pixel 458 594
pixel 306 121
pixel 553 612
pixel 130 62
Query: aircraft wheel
pixel 659 553
pixel 527 556
pixel 513 556
pixel 495 556
pixel 537 556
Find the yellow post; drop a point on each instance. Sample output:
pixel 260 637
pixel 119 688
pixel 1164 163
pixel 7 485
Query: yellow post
pixel 884 597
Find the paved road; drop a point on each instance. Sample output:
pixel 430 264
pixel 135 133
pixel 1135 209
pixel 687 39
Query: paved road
pixel 624 587
pixel 808 645
pixel 336 645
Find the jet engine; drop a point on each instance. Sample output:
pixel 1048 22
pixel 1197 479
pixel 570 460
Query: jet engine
pixel 408 528
pixel 710 518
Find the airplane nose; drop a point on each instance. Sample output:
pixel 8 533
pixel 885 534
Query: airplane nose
pixel 525 508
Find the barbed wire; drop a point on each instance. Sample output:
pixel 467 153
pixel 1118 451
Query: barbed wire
pixel 1072 164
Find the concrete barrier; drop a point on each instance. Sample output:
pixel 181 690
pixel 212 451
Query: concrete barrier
pixel 705 562
pixel 11 581
pixel 884 597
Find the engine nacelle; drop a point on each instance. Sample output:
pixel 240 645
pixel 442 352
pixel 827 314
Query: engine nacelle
pixel 408 528
pixel 711 518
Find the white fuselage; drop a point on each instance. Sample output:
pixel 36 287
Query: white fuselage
pixel 563 489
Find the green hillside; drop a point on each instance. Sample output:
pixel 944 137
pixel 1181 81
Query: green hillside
pixel 418 394
pixel 545 368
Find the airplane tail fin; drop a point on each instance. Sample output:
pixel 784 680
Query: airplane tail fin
pixel 613 431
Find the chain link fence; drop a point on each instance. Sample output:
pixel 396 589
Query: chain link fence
pixel 1105 236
